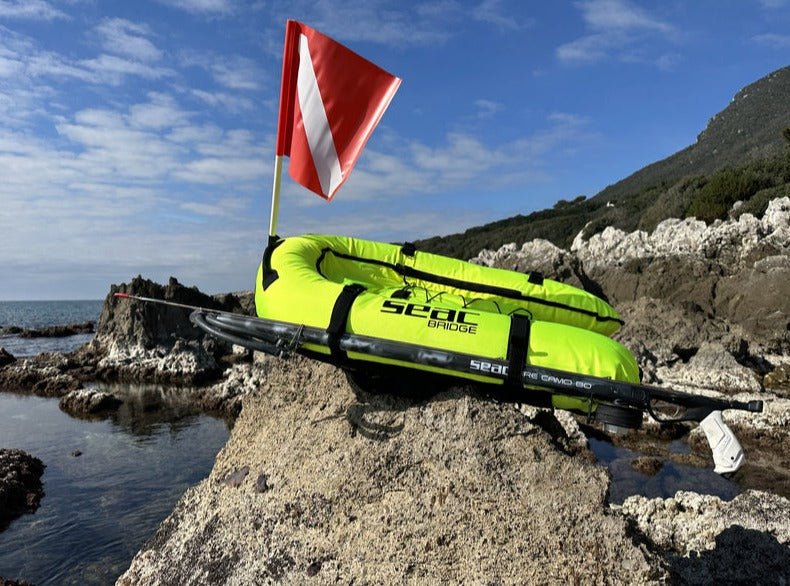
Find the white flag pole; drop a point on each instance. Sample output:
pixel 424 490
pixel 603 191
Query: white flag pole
pixel 278 173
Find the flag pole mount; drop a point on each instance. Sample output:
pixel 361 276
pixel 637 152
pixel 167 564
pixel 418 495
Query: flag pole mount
pixel 278 174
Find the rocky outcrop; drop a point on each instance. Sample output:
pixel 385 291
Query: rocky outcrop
pixel 88 402
pixel 139 342
pixel 706 310
pixel 9 582
pixel 49 374
pixel 735 271
pixel 20 484
pixel 684 289
pixel 709 541
pixel 319 484
pixel 6 357
pixel 323 482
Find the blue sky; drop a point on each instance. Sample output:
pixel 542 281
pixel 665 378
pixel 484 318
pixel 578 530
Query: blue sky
pixel 138 137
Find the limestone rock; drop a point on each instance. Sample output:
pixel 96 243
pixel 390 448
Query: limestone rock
pixel 709 541
pixel 86 402
pixel 712 367
pixel 6 357
pixel 778 380
pixel 317 484
pixel 57 331
pixel 20 484
pixel 45 375
pixel 147 342
pixel 237 382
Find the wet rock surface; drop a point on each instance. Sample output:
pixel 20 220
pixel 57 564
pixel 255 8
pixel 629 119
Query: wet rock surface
pixel 59 331
pixel 21 490
pixel 87 402
pixel 6 357
pixel 9 582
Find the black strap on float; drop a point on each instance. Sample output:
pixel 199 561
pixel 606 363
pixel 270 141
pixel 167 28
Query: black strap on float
pixel 408 248
pixel 517 348
pixel 339 318
pixel 269 274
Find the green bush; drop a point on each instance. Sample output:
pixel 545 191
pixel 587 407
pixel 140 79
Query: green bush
pixel 724 188
pixel 670 203
pixel 759 202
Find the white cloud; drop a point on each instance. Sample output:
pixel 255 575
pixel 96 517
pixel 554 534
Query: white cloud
pixel 232 72
pixel 488 108
pixel 773 40
pixel 126 38
pixel 223 208
pixel 492 12
pixel 162 112
pixel 155 140
pixel 30 10
pixel 216 171
pixel 380 22
pixel 608 15
pixel 204 7
pixel 237 73
pixel 113 70
pixel 590 48
pixel 416 169
pixel 228 102
pixel 619 29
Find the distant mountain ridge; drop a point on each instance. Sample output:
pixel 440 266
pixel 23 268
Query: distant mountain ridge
pixel 748 129
pixel 742 154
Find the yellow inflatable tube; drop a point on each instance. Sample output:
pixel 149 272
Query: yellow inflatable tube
pixel 391 292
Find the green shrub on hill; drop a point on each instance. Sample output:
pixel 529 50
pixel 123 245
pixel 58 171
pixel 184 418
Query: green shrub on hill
pixel 670 203
pixel 722 190
pixel 760 200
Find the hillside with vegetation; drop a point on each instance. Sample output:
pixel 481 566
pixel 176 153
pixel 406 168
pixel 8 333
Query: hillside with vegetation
pixel 743 155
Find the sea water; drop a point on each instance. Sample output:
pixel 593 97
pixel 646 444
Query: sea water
pixel 40 314
pixel 102 505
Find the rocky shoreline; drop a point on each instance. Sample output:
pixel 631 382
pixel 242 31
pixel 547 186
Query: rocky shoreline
pixel 138 343
pixel 59 331
pixel 325 482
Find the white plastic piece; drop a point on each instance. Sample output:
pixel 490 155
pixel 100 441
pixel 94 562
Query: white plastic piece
pixel 727 451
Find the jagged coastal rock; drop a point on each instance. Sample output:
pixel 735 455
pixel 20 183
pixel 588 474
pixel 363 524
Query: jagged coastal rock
pixel 706 310
pixel 323 484
pixel 21 490
pixel 709 541
pixel 137 342
pixel 326 484
pixel 59 331
pixel 319 485
pixel 87 402
pixel 684 285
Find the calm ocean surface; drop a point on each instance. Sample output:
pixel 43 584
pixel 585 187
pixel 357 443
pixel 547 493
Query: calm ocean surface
pixel 100 507
pixel 39 314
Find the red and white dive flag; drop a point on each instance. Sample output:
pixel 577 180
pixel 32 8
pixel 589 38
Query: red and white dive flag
pixel 331 99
